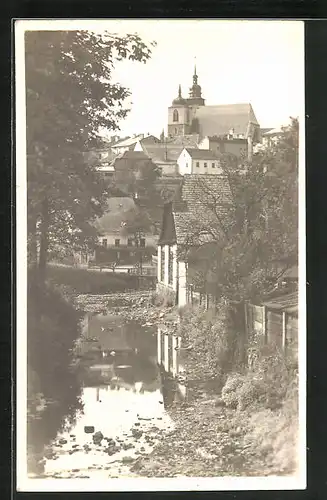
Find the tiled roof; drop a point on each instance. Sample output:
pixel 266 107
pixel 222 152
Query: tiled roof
pixel 190 141
pixel 202 154
pixel 205 197
pixel 219 120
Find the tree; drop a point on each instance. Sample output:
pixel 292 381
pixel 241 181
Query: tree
pixel 69 97
pixel 238 249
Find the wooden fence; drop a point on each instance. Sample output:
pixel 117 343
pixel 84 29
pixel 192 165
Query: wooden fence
pixel 276 323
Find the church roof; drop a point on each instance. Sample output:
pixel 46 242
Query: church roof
pixel 219 120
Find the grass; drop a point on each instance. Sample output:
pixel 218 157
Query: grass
pixel 87 281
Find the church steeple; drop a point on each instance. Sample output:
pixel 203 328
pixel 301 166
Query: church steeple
pixel 195 94
pixel 179 101
pixel 195 76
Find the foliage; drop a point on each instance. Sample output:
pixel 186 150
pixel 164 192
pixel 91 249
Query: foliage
pixel 137 223
pixel 252 239
pixel 265 384
pixel 69 97
pixel 53 387
pixel 274 434
pixel 212 342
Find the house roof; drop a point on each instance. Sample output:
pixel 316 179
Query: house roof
pixel 201 154
pixel 219 120
pixel 194 206
pixel 132 155
pixel 292 273
pixel 115 214
pixel 287 303
pixel 190 141
pixel 162 152
pixel 273 131
pixel 265 130
pixel 130 141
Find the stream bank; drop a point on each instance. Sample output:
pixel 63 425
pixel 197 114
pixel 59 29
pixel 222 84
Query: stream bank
pixel 199 437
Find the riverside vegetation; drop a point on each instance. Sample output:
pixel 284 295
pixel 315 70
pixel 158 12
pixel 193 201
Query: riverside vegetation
pixel 242 411
pixel 243 416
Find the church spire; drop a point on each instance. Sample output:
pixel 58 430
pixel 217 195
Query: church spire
pixel 195 76
pixel 179 91
pixel 195 94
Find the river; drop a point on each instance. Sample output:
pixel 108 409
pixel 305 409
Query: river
pixel 125 397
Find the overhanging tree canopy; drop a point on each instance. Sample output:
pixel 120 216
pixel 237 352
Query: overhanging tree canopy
pixel 69 96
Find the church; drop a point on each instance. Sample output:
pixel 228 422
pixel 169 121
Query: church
pixel 191 117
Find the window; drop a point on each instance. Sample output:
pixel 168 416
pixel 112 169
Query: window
pixel 117 243
pixel 198 164
pixel 142 242
pixel 175 116
pixel 170 266
pixel 105 242
pixel 213 165
pixel 205 164
pixel 130 242
pixel 162 267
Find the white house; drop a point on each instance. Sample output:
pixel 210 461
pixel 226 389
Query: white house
pixel 183 228
pixel 198 161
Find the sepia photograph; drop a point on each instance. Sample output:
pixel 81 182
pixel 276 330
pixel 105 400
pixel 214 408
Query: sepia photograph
pixel 161 309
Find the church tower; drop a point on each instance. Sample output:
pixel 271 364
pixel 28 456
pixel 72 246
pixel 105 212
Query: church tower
pixel 178 116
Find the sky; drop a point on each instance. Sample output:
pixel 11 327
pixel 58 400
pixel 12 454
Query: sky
pixel 261 62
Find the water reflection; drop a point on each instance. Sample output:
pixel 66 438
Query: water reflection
pixel 170 361
pixel 122 396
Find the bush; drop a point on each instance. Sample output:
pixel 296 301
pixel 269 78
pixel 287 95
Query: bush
pixel 265 384
pixel 53 326
pixel 274 434
pixel 266 399
pixel 213 342
pixel 229 392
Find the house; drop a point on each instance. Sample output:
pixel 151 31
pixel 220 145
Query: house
pixel 129 143
pixel 116 244
pixel 192 116
pixel 271 136
pixel 164 155
pixel 198 161
pixel 226 145
pixel 101 160
pixel 183 230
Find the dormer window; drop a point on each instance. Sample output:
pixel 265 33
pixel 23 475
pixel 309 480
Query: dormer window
pixel 175 116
